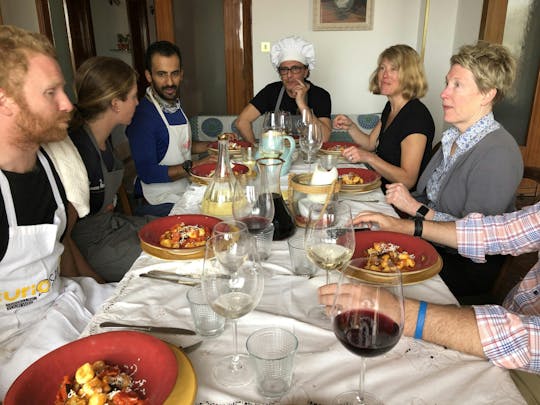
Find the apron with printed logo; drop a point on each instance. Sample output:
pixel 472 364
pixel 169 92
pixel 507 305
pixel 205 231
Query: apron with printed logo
pixel 178 151
pixel 30 267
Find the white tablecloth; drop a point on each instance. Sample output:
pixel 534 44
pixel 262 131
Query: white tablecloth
pixel 414 372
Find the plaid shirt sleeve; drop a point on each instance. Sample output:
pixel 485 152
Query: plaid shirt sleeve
pixel 510 335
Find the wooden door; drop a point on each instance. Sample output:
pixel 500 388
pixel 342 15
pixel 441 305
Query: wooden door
pixel 492 29
pixel 238 49
pixel 80 31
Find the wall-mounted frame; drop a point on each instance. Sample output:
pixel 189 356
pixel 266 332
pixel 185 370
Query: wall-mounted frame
pixel 342 15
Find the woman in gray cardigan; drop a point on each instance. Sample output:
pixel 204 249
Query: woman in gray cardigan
pixel 478 166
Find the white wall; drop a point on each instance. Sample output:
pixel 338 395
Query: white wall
pixel 21 13
pixel 345 59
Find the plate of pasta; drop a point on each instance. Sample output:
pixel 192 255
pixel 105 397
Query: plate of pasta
pixel 382 252
pixel 133 367
pixel 177 237
pixel 335 148
pixel 356 179
pixel 203 173
pixel 235 147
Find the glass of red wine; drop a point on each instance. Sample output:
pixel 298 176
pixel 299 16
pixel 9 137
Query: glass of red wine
pixel 367 319
pixel 253 203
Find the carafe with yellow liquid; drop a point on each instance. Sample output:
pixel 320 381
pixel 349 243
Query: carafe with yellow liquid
pixel 218 197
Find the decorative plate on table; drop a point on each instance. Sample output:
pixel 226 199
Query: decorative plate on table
pixel 166 376
pixel 428 262
pixel 360 179
pixel 150 234
pixel 235 147
pixel 203 173
pixel 335 148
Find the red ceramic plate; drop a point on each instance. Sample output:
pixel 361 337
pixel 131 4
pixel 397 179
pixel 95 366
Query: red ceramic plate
pixel 204 170
pixel 152 361
pixel 428 261
pixel 369 176
pixel 213 146
pixel 150 233
pixel 335 148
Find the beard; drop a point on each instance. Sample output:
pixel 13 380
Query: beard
pixel 37 129
pixel 165 96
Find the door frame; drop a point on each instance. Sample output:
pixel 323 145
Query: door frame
pixel 492 30
pixel 238 47
pixel 80 32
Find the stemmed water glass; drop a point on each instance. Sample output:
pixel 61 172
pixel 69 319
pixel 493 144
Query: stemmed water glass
pixel 329 240
pixel 232 283
pixel 310 141
pixel 275 127
pixel 367 319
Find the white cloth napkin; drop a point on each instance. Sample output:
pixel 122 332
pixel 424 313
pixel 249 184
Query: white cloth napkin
pixel 72 172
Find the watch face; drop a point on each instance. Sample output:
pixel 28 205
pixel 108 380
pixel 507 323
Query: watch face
pixel 422 211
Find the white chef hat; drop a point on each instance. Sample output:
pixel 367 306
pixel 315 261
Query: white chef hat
pixel 293 48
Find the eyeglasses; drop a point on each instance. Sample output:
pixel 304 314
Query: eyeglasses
pixel 283 71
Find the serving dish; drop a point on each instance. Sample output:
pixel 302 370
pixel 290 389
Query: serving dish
pixel 166 376
pixel 150 233
pixel 428 262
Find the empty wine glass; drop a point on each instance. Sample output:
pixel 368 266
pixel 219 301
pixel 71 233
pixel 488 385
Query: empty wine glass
pixel 329 240
pixel 227 250
pixel 306 117
pixel 275 127
pixel 310 141
pixel 232 293
pixel 367 319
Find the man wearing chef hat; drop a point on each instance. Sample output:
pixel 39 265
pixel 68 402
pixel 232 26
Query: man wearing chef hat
pixel 293 58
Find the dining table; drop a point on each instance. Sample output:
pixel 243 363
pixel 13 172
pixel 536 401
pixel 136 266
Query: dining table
pixel 413 372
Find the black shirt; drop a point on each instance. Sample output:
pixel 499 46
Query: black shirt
pixel 318 99
pixel 33 200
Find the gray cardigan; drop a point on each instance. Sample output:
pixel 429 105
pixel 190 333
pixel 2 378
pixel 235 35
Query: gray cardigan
pixel 484 179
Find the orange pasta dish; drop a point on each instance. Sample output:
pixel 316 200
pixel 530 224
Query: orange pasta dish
pixel 386 257
pixel 352 178
pixel 182 236
pixel 99 384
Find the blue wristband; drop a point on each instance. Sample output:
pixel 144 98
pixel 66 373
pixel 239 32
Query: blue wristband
pixel 420 320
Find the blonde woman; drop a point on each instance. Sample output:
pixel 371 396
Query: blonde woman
pixel 399 146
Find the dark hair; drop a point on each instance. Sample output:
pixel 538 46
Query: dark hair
pixel 98 81
pixel 163 48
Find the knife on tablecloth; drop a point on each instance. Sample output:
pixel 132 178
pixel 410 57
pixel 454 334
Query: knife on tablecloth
pixel 145 328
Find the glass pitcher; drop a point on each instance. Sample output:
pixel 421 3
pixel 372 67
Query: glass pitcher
pixel 218 197
pixel 270 169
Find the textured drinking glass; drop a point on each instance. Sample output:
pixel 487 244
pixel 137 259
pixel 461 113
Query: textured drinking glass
pixel 301 265
pixel 207 322
pixel 263 241
pixel 272 351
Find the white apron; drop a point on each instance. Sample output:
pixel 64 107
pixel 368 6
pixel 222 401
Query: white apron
pixel 178 152
pixel 39 311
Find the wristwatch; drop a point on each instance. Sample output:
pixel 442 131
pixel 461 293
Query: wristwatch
pixel 187 165
pixel 421 212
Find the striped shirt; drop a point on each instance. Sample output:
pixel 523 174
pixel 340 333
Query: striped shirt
pixel 510 334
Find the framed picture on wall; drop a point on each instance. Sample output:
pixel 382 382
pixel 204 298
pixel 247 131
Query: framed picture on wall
pixel 342 15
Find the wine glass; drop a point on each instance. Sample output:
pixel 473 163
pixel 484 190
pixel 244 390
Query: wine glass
pixel 229 253
pixel 310 141
pixel 367 319
pixel 306 117
pixel 232 292
pixel 329 240
pixel 253 203
pixel 275 125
